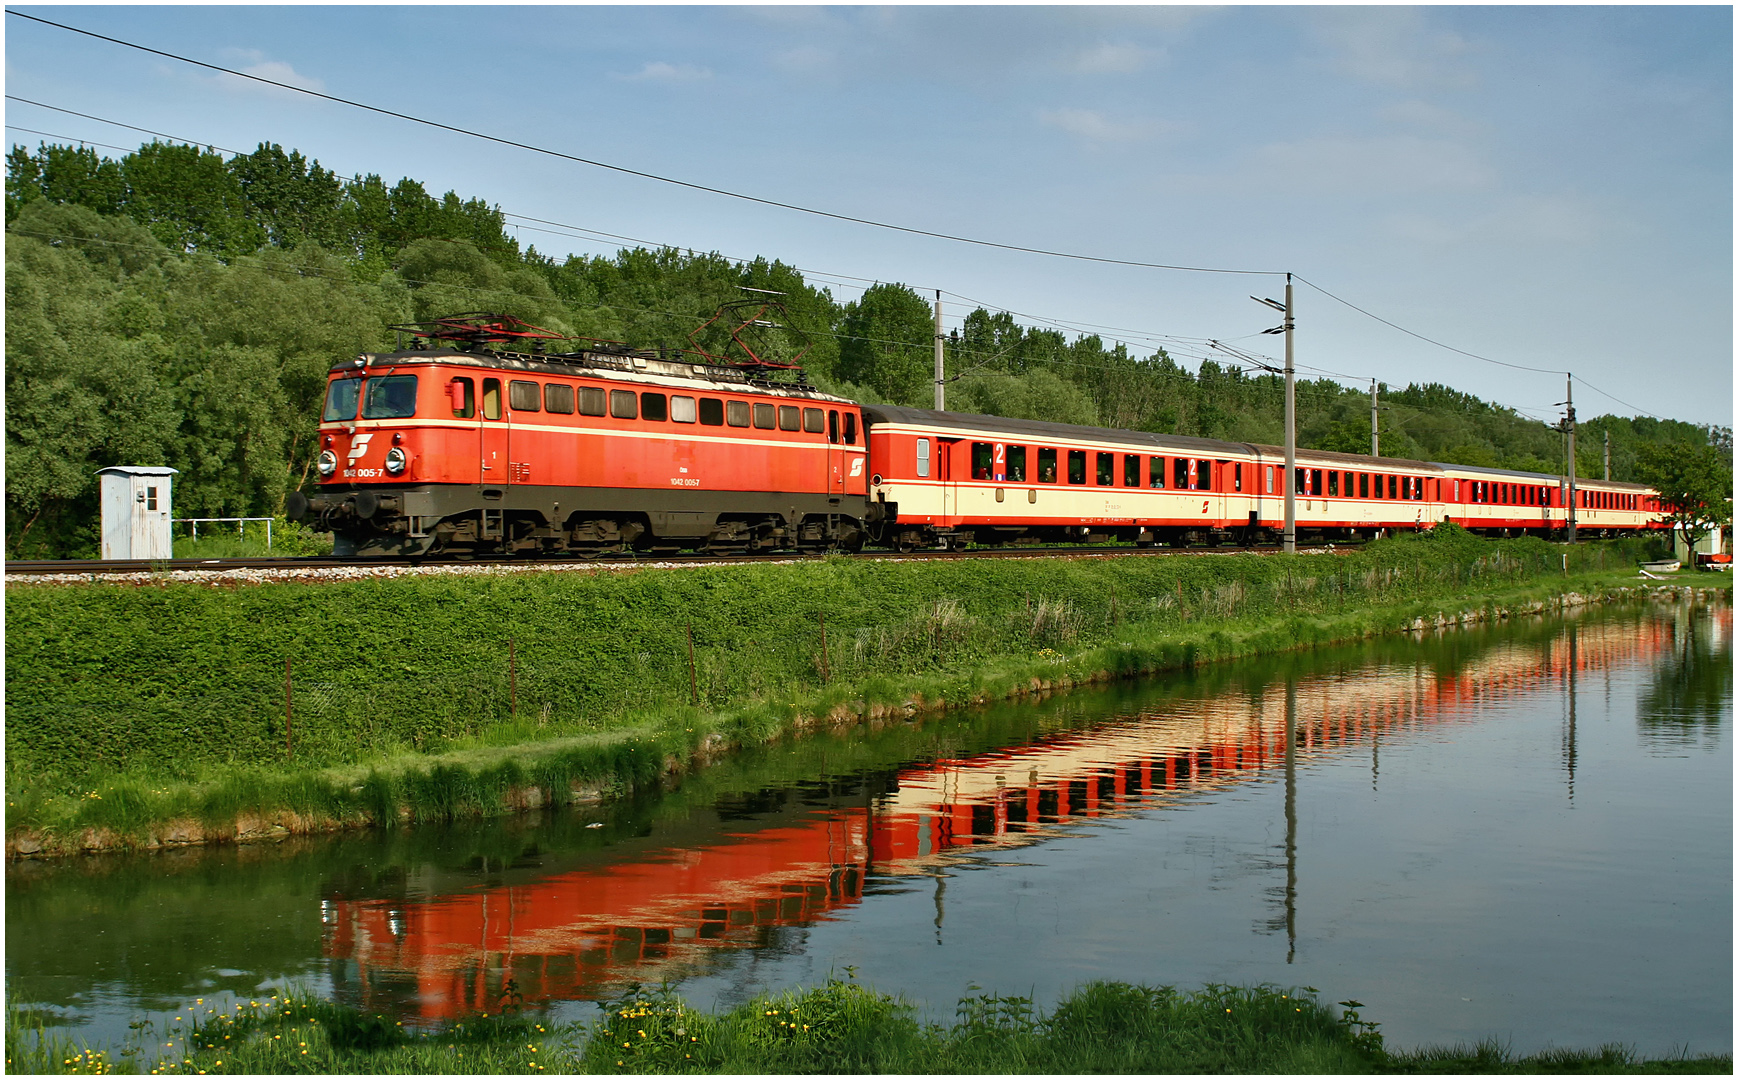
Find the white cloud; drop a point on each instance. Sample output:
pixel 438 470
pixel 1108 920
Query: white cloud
pixel 1394 165
pixel 806 59
pixel 1516 221
pixel 1393 46
pixel 1095 126
pixel 659 71
pixel 1422 114
pixel 254 62
pixel 1108 59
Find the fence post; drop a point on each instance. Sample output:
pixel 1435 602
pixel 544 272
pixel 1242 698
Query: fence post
pixel 693 679
pixel 826 673
pixel 512 681
pixel 289 747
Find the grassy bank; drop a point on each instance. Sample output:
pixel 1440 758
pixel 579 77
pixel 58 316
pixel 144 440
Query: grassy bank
pixel 157 715
pixel 839 1027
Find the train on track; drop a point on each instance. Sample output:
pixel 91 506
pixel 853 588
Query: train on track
pixel 474 440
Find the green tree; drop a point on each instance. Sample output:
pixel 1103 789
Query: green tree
pixel 1694 485
pixel 888 344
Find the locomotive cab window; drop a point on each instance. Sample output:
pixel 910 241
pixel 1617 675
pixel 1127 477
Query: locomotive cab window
pixel 1156 472
pixel 790 418
pixel 491 399
pixel 712 412
pixel 850 429
pixel 342 398
pixel 736 413
pixel 1077 466
pixel 523 396
pixel 591 401
pixel 1016 464
pixel 624 405
pixel 654 406
pixel 833 425
pixel 765 416
pixel 682 409
pixel 392 397
pixel 1105 474
pixel 464 395
pixel 814 421
pixel 1046 465
pixel 557 398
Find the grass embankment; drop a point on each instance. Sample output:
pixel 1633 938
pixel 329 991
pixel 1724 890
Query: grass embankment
pixel 839 1027
pixel 156 715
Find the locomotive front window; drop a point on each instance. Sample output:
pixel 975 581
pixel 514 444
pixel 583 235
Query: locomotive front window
pixel 923 457
pixel 557 398
pixel 736 413
pixel 591 401
pixel 1106 474
pixel 390 397
pixel 624 405
pixel 523 396
pixel 790 418
pixel 682 409
pixel 1046 465
pixel 1016 464
pixel 814 421
pixel 654 406
pixel 342 397
pixel 1156 471
pixel 712 412
pixel 765 416
pixel 1077 466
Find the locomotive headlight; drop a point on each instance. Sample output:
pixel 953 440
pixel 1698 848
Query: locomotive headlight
pixel 396 460
pixel 328 463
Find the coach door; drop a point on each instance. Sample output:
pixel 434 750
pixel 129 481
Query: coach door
pixel 493 444
pixel 944 474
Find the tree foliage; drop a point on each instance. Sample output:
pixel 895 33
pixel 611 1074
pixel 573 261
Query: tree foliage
pixel 176 307
pixel 1694 484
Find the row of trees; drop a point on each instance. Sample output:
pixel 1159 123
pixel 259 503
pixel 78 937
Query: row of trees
pixel 178 307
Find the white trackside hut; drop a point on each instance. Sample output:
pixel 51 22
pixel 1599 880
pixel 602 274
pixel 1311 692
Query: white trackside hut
pixel 136 512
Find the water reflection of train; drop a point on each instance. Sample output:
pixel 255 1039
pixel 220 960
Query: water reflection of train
pixel 440 946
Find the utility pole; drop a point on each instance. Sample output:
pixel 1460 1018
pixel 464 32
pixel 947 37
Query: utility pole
pixel 940 386
pixel 1289 537
pixel 1569 427
pixel 1375 440
pixel 1608 454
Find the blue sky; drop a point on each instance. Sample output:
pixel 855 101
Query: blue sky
pixel 1545 186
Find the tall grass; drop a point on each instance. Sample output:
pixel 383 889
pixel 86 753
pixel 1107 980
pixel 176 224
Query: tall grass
pixel 838 1027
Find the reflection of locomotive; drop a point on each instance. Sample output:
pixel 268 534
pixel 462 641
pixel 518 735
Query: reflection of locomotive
pixel 465 445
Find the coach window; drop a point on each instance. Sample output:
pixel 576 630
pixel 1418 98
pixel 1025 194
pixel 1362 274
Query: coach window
pixel 1418 489
pixel 464 395
pixel 790 418
pixel 681 409
pixel 1046 465
pixel 491 399
pixel 1393 484
pixel 557 398
pixel 624 405
pixel 765 416
pixel 1204 475
pixel 390 398
pixel 1131 470
pixel 654 406
pixel 1156 471
pixel 850 428
pixel 1363 486
pixel 1077 466
pixel 591 401
pixel 736 413
pixel 1016 464
pixel 1334 483
pixel 1105 474
pixel 814 421
pixel 923 457
pixel 1300 484
pixel 1237 476
pixel 1180 473
pixel 523 396
pixel 983 457
pixel 1270 479
pixel 343 397
pixel 1315 481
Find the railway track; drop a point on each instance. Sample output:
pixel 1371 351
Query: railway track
pixel 290 566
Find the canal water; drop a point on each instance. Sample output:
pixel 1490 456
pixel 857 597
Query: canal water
pixel 1522 831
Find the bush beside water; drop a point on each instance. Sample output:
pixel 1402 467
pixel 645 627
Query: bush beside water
pixel 447 696
pixel 838 1027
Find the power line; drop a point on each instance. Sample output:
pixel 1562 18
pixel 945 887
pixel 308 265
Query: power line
pixel 637 172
